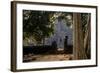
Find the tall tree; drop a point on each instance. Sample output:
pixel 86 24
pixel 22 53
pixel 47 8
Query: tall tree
pixel 87 35
pixel 79 50
pixel 37 24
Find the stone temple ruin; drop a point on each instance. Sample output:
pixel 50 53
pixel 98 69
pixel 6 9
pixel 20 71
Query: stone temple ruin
pixel 62 34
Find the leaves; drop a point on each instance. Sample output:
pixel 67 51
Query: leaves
pixel 37 24
pixel 40 24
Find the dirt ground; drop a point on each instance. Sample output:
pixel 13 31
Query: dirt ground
pixel 48 57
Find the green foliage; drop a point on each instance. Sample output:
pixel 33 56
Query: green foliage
pixel 37 24
pixel 67 16
pixel 84 18
pixel 40 24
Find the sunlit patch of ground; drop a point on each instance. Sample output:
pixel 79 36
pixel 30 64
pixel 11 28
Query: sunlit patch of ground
pixel 48 57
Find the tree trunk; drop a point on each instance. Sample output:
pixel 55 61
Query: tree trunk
pixel 79 51
pixel 87 38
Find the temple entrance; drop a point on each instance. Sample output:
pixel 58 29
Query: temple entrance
pixel 62 36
